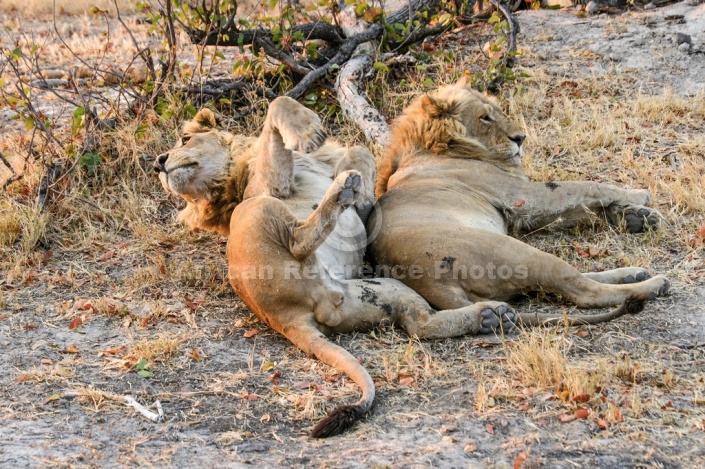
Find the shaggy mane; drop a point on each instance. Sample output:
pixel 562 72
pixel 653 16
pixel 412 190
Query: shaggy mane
pixel 431 126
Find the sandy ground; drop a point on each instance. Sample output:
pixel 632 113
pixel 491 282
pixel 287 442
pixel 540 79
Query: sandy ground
pixel 234 399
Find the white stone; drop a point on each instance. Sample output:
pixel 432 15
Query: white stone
pixel 592 7
pixel 685 47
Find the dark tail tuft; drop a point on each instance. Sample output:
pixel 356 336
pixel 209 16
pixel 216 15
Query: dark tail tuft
pixel 338 421
pixel 635 304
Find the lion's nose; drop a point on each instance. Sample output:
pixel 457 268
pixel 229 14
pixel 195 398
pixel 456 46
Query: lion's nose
pixel 159 163
pixel 518 139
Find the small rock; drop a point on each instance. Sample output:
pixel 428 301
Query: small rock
pixel 592 7
pixel 685 47
pixel 683 39
pixel 649 6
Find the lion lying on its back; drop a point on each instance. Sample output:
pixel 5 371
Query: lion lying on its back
pixel 451 187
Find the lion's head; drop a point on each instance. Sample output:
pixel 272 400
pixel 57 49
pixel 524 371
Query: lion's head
pixel 202 168
pixel 456 122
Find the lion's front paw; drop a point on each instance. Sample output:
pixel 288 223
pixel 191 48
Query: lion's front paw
pixel 498 319
pixel 660 286
pixel 351 189
pixel 638 219
pixel 639 277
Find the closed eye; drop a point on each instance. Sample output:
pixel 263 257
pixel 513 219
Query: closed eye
pixel 486 119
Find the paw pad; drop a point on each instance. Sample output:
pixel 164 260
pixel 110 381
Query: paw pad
pixel 500 319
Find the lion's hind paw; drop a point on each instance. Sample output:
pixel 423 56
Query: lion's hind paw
pixel 639 219
pixel 499 319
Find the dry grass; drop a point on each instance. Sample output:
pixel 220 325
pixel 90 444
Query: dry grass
pixel 70 7
pixel 160 349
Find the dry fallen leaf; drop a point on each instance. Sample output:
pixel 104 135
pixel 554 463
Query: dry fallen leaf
pixel 195 355
pixel 46 361
pixel 406 381
pixel 107 256
pixel 519 203
pixel 71 349
pixel 250 333
pixel 699 238
pixel 618 415
pixel 521 457
pixel 76 323
pixel 602 424
pixel 582 398
pixel 489 428
pixel 582 413
pixel 565 418
pixel 470 447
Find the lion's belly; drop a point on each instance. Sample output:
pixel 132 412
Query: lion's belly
pixel 341 253
pixel 435 203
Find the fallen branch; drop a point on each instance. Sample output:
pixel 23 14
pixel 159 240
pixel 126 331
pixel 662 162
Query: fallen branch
pixel 344 53
pixel 154 417
pixel 354 103
pixel 233 37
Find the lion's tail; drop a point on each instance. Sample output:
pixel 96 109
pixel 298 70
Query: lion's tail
pixel 309 339
pixel 633 305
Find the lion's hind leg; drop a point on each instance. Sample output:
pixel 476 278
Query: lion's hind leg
pixel 369 302
pixel 300 128
pixel 619 276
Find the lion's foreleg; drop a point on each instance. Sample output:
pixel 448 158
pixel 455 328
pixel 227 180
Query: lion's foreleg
pixel 566 204
pixel 309 235
pixel 360 159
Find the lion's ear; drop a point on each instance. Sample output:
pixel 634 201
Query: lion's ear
pixel 204 121
pixel 206 118
pixel 438 108
pixel 434 107
pixel 463 82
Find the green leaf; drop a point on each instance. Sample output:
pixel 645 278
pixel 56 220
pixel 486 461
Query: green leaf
pixel 273 3
pixel 500 40
pixel 77 122
pixel 90 161
pixel 141 365
pixel 16 53
pixel 29 123
pixel 380 66
pixel 241 42
pixel 145 373
pixel 190 111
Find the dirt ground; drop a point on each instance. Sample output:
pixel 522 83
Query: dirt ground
pixel 143 309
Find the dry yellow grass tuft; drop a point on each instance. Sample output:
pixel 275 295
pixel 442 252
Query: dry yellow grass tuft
pixel 160 349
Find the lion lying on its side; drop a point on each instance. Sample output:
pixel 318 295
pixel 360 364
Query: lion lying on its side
pixel 450 188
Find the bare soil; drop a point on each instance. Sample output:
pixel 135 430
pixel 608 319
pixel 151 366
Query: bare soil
pixel 77 318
